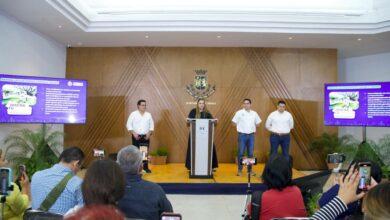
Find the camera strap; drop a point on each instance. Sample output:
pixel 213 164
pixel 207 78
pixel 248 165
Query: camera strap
pixel 53 195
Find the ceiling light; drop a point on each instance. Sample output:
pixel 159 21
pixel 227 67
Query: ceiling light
pixel 59 26
pixel 219 36
pixel 359 39
pixel 146 36
pixel 290 38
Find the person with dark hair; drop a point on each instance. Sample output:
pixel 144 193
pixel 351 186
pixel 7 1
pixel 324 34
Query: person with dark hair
pixel 142 199
pixel 280 123
pixel 141 126
pixel 104 184
pixel 246 121
pixel 355 207
pixel 58 189
pixel 200 111
pixel 282 198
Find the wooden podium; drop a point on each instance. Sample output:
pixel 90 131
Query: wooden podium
pixel 201 147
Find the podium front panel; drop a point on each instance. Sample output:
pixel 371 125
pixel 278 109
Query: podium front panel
pixel 202 134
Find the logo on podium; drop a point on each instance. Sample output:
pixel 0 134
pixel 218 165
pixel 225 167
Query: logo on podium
pixel 200 88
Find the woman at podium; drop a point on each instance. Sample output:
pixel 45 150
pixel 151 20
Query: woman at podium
pixel 200 112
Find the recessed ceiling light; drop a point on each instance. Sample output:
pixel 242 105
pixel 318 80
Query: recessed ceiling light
pixel 219 36
pixel 290 38
pixel 146 36
pixel 359 39
pixel 59 26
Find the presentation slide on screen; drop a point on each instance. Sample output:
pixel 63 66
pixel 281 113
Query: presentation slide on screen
pixel 357 104
pixel 27 99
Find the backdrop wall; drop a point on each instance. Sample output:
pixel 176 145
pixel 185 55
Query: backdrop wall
pixel 118 77
pixel 26 52
pixel 372 68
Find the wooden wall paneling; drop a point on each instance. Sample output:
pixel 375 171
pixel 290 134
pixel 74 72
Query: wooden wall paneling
pixel 118 77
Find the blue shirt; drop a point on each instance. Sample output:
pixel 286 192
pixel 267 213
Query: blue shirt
pixel 143 199
pixel 44 181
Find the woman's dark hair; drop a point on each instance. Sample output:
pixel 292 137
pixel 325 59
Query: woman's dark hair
pixel 277 173
pixel 104 183
pixel 376 171
pixel 281 102
pixel 72 154
pixel 140 101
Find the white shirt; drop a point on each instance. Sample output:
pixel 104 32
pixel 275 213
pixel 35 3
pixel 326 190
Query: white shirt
pixel 246 121
pixel 280 123
pixel 140 124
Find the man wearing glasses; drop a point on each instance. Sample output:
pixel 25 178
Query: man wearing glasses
pixel 140 125
pixel 246 121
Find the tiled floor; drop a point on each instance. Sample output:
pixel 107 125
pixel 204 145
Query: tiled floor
pixel 203 207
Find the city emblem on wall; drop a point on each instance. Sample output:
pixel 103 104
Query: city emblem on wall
pixel 200 88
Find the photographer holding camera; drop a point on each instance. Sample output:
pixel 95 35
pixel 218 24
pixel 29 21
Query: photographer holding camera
pixel 355 207
pixel 14 200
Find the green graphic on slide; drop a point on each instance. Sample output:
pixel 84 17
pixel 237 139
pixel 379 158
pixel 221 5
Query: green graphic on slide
pixel 19 98
pixel 344 100
pixel 344 104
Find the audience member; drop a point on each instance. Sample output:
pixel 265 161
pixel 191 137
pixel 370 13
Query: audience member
pixel 17 201
pixel 104 184
pixel 58 189
pixel 96 212
pixel 346 195
pixel 282 198
pixel 376 204
pixel 353 208
pixel 142 199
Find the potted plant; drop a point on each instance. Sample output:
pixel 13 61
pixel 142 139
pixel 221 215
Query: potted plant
pixel 332 143
pixel 35 149
pixel 159 156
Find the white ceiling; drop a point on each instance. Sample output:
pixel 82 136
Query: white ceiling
pixel 355 27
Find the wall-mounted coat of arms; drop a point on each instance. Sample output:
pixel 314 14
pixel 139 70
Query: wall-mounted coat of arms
pixel 200 88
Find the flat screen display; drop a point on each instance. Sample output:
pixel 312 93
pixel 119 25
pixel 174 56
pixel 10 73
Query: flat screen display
pixel 28 99
pixel 357 104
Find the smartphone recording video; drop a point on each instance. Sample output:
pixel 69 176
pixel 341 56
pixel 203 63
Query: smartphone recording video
pixel 98 153
pixel 22 169
pixel 365 175
pixel 5 180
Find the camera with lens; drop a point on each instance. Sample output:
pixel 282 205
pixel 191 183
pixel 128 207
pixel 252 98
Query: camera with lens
pixel 248 161
pixel 335 158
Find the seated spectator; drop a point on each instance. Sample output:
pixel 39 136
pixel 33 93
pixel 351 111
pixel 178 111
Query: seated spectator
pixel 283 198
pixel 96 212
pixel 104 184
pixel 376 204
pixel 346 195
pixel 61 177
pixel 17 201
pixel 353 208
pixel 142 199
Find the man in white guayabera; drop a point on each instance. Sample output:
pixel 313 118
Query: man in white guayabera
pixel 246 121
pixel 140 125
pixel 280 123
